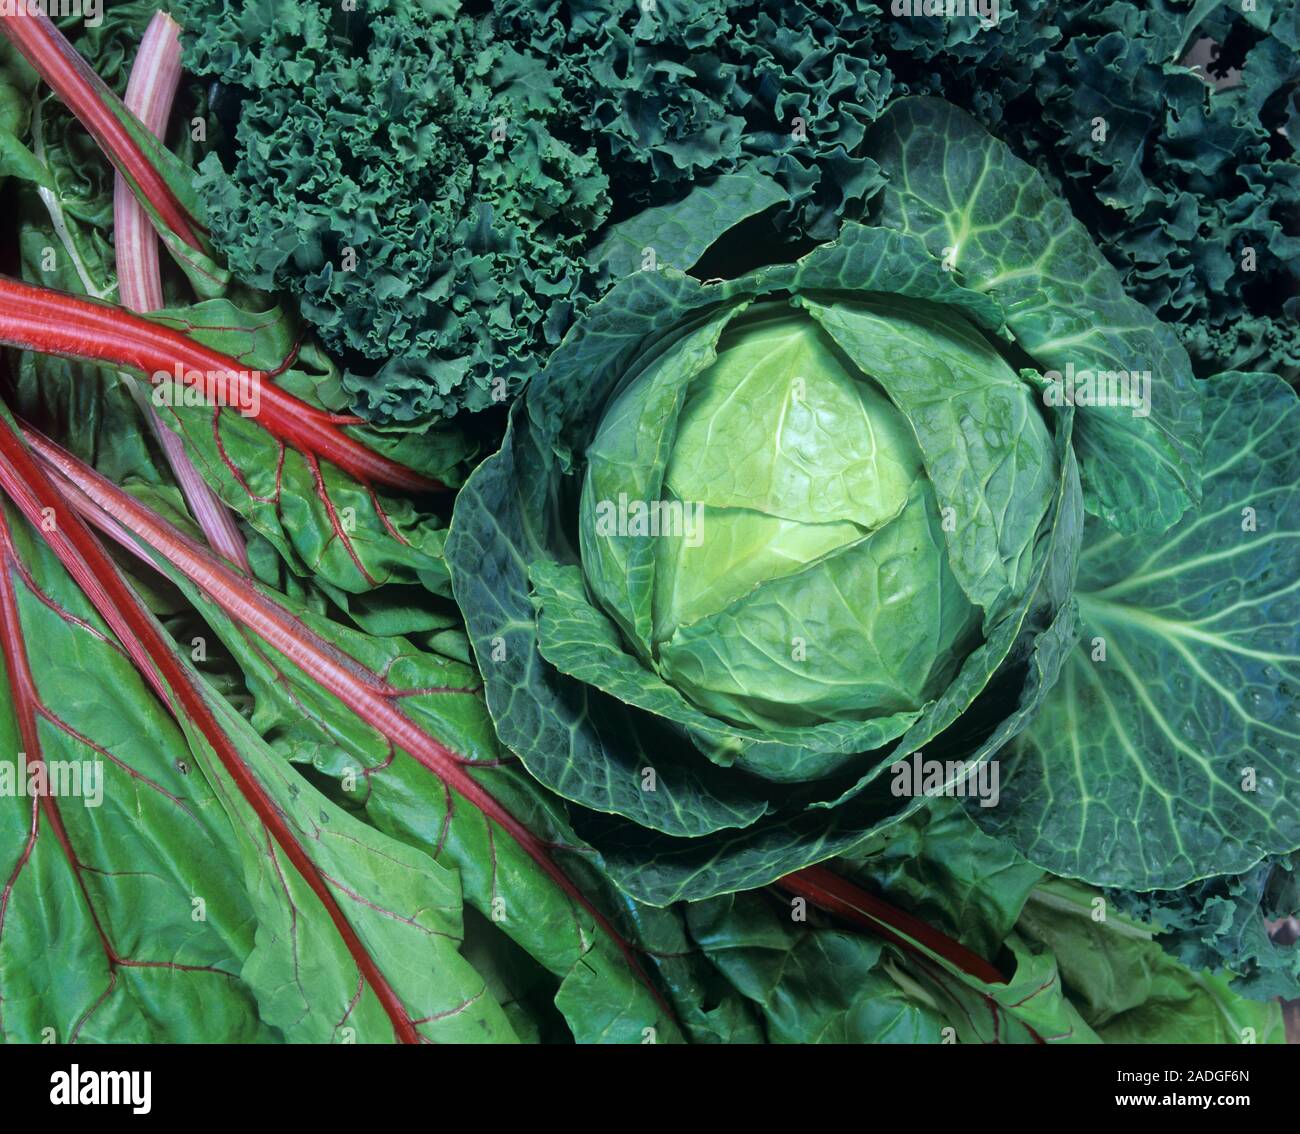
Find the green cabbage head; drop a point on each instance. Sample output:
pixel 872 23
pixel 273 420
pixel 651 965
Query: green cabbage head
pixel 799 568
pixel 752 545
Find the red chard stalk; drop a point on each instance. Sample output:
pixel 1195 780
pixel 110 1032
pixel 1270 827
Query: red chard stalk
pixel 52 322
pixel 149 94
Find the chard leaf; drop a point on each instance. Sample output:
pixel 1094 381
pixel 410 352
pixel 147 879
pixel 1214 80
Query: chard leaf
pixel 376 715
pixel 404 908
pixel 1126 987
pixel 160 181
pixel 1005 233
pixel 599 995
pixel 813 981
pixel 65 215
pixel 1035 998
pixel 16 160
pixel 1078 977
pixel 811 985
pixel 1176 754
pixel 358 935
pixel 122 918
pixel 1074 978
pixel 324 524
pixel 941 867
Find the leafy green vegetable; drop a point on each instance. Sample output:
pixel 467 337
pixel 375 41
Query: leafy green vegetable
pixel 883 554
pixel 73 962
pixel 368 700
pixel 994 224
pixel 414 182
pixel 1225 923
pixel 639 117
pixel 1126 987
pixel 635 394
pixel 372 965
pixel 679 93
pixel 1077 977
pixel 1183 171
pixel 675 804
pixel 1176 725
pixel 336 956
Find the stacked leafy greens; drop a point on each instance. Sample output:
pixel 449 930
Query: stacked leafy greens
pixel 530 774
pixel 469 189
pixel 784 667
pixel 695 89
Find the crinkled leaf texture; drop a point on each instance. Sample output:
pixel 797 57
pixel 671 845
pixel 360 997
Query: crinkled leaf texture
pixel 1196 166
pixel 1225 924
pixel 1003 232
pixel 1191 178
pixel 1170 748
pixel 413 183
pixel 589 721
pixel 1072 978
pixel 322 523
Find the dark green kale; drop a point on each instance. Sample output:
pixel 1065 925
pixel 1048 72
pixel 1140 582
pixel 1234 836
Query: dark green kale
pixel 1190 182
pixel 1224 923
pixel 471 156
pixel 399 172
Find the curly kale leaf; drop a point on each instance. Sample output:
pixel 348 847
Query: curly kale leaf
pixel 1223 923
pixel 1196 167
pixel 471 163
pixel 1188 176
pixel 411 182
pixel 681 91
